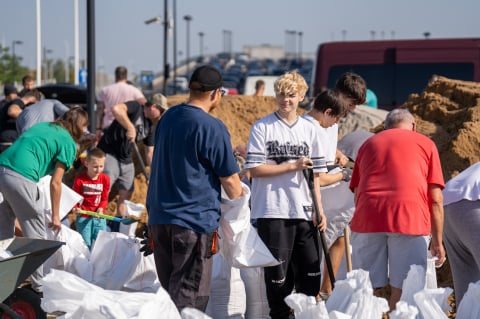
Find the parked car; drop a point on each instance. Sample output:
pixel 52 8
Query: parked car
pixel 65 92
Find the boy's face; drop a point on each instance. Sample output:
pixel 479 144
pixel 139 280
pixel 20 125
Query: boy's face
pixel 288 102
pixel 94 166
pixel 351 104
pixel 330 119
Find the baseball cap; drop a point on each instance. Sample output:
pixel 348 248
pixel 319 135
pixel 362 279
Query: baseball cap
pixel 159 100
pixel 205 78
pixel 9 89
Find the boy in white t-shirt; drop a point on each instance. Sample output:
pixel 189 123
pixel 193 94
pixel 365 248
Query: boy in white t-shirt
pixel 281 145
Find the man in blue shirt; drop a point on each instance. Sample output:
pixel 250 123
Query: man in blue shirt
pixel 192 159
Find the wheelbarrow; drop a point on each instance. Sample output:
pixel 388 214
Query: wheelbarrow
pixel 28 255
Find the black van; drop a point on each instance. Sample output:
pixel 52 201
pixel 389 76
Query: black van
pixel 396 68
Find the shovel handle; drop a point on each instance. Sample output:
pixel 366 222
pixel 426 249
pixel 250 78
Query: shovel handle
pixel 95 214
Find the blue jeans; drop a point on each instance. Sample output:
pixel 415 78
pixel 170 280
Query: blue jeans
pixel 89 227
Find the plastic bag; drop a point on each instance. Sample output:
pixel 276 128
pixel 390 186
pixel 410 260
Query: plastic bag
pixel 68 199
pixel 134 209
pixel 431 301
pixel 404 311
pixel 469 307
pixel 239 242
pixel 79 299
pixel 227 293
pixel 306 307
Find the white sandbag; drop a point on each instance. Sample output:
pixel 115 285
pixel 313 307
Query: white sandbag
pixel 68 199
pixel 469 307
pixel 256 293
pixel 431 273
pixel 113 256
pixel 144 276
pixel 134 209
pixel 240 244
pixel 414 283
pixel 306 307
pixel 354 296
pixel 192 313
pixel 432 303
pixel 79 299
pixel 227 294
pixel 66 256
pixel 404 311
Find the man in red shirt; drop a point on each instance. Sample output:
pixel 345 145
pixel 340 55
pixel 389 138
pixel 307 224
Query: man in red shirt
pixel 398 182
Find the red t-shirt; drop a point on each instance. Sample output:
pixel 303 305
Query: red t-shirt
pixel 94 192
pixel 391 174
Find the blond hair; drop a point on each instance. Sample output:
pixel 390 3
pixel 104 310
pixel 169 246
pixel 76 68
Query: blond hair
pixel 291 82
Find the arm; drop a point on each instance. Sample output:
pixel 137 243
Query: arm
pixel 231 185
pixel 329 179
pixel 120 113
pixel 436 210
pixel 102 207
pixel 265 170
pixel 316 184
pixel 56 194
pixel 340 158
pixel 14 111
pixel 148 154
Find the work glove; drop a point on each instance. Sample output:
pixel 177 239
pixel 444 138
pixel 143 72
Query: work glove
pixel 347 174
pixel 147 243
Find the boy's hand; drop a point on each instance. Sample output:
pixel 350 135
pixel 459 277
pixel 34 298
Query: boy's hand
pixel 303 163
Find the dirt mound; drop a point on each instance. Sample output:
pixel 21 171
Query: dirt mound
pixel 448 111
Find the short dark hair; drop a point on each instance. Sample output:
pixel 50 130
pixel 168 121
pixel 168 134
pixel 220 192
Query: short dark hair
pixel 95 152
pixel 331 99
pixel 27 78
pixel 121 73
pixel 259 84
pixel 352 86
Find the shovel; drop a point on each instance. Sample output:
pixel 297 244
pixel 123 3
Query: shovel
pixel 308 174
pixel 127 221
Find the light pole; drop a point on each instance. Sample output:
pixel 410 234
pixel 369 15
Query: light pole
pixel 188 18
pixel 290 42
pixel 201 35
pixel 166 66
pixel 45 52
pixel 227 42
pixel 300 34
pixel 14 57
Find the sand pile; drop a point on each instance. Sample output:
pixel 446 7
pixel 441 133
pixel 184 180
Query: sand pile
pixel 448 111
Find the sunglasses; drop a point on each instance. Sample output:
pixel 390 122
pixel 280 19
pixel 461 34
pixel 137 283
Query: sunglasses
pixel 222 91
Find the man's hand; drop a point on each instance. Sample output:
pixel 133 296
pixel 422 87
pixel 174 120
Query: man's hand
pixel 347 174
pixel 147 243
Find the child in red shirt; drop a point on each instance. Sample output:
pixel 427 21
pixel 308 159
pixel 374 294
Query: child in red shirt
pixel 94 186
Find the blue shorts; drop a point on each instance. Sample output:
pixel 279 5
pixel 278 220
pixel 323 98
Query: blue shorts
pixel 89 227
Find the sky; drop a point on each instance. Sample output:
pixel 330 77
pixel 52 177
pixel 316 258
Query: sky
pixel 122 37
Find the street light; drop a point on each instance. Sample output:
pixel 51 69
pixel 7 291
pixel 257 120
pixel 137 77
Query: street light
pixel 45 52
pixel 14 58
pixel 290 42
pixel 188 18
pixel 158 19
pixel 200 35
pixel 227 42
pixel 300 34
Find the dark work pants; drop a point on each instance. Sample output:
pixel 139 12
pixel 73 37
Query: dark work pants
pixel 295 242
pixel 184 262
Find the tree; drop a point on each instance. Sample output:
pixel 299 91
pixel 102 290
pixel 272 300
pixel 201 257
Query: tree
pixel 11 70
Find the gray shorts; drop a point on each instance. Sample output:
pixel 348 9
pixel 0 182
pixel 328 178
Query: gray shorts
pixel 119 173
pixel 388 255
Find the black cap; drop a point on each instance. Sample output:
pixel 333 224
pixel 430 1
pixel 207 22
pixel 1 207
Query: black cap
pixel 205 78
pixel 9 89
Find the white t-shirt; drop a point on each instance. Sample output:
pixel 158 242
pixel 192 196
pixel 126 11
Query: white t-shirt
pixel 465 185
pixel 328 138
pixel 272 141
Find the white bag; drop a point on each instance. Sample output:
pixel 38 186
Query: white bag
pixel 306 307
pixel 432 303
pixel 404 311
pixel 256 293
pixel 469 307
pixel 227 294
pixel 68 199
pixel 79 299
pixel 239 242
pixel 134 209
